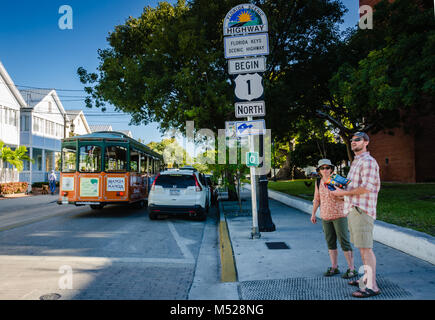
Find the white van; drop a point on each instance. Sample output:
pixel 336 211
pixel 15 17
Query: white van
pixel 179 191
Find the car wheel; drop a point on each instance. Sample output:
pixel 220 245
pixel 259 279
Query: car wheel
pixel 153 216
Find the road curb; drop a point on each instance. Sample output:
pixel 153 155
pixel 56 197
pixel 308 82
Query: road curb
pixel 228 265
pixel 414 243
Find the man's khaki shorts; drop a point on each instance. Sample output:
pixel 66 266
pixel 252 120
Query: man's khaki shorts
pixel 360 228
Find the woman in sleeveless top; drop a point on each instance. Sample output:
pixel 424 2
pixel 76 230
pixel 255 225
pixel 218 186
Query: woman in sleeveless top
pixel 334 222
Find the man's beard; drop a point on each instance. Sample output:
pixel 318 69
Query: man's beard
pixel 356 149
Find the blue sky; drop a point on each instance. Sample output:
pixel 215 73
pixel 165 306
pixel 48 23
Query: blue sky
pixel 37 53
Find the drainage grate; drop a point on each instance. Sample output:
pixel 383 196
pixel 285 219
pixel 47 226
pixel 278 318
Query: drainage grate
pixel 277 245
pixel 321 288
pixel 50 296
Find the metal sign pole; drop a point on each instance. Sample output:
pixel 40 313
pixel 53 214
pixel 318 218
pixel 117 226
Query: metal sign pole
pixel 254 234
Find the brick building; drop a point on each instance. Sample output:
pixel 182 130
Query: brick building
pixel 405 157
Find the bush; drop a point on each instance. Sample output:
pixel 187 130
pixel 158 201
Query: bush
pixel 13 187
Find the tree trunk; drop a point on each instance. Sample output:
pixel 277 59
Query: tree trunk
pixel 285 171
pixel 232 193
pixel 348 147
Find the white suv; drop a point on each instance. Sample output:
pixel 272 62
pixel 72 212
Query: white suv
pixel 179 191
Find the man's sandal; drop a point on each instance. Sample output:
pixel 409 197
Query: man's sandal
pixel 354 283
pixel 331 271
pixel 366 293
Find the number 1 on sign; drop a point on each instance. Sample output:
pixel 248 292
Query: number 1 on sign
pixel 249 86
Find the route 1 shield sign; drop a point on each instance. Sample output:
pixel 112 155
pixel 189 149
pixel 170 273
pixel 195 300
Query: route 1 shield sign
pixel 248 87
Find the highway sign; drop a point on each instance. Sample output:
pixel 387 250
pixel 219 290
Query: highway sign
pixel 250 128
pixel 245 46
pixel 243 19
pixel 252 159
pixel 250 109
pixel 247 65
pixel 248 86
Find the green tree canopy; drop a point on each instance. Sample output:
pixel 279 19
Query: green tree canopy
pixel 387 75
pixel 168 64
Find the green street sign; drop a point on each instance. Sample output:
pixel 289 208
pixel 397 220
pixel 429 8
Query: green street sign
pixel 252 159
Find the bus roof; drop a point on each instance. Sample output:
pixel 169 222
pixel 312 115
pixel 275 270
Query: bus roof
pixel 111 135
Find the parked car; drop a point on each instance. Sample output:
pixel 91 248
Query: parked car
pixel 179 191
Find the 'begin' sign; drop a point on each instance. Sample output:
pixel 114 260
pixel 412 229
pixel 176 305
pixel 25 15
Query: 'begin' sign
pixel 248 65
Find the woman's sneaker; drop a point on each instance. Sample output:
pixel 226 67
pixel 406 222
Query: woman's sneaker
pixel 331 271
pixel 349 274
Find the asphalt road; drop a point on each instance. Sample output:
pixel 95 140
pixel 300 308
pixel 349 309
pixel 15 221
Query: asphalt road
pixel 79 253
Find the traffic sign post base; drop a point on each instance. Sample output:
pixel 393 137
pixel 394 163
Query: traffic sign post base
pixel 255 234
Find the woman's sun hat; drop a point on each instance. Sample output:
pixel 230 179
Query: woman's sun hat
pixel 323 162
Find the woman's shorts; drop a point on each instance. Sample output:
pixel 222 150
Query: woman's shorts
pixel 334 229
pixel 360 228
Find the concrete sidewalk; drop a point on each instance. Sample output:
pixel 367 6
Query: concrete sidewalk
pixel 297 273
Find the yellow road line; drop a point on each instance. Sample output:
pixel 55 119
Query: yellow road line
pixel 228 267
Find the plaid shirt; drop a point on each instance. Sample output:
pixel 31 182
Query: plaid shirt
pixel 364 172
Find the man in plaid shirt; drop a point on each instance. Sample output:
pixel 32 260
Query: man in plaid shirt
pixel 360 199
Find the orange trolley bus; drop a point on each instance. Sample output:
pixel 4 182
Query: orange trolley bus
pixel 106 167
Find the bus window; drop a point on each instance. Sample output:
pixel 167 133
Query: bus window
pixel 116 159
pixel 134 160
pixel 90 159
pixel 69 159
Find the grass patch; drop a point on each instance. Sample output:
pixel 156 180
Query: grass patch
pixel 407 205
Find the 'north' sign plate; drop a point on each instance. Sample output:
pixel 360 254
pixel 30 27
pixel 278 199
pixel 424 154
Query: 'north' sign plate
pixel 245 46
pixel 250 109
pixel 247 65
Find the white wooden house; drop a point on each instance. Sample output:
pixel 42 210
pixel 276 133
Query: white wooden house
pixel 78 123
pixel 11 103
pixel 44 123
pixel 101 127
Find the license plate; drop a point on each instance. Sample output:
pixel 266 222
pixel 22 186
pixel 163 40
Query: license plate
pixel 174 192
pixel 64 200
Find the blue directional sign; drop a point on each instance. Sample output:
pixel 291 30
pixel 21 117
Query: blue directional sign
pixel 250 128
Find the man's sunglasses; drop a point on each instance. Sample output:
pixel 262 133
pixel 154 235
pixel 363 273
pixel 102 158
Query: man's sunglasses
pixel 356 139
pixel 325 168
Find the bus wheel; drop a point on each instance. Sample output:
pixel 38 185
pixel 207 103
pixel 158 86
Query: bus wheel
pixel 97 206
pixel 140 204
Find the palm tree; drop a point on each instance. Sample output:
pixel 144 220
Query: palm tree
pixel 13 157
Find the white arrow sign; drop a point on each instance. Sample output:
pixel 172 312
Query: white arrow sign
pixel 248 86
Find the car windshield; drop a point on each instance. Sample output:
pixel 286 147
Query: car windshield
pixel 175 181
